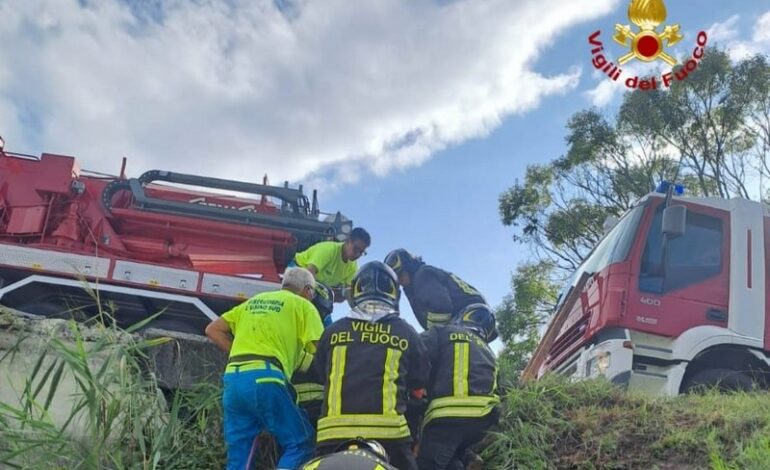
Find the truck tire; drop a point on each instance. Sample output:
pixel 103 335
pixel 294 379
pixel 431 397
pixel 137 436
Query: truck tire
pixel 724 380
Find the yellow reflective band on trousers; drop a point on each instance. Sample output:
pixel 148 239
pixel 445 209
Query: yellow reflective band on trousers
pixel 461 364
pixel 336 376
pixel 438 319
pixel 309 392
pixel 368 426
pixel 453 407
pixel 389 377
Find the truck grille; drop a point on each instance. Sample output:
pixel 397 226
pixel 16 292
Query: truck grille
pixel 568 340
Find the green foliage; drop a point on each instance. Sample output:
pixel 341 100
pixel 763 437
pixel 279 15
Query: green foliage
pixel 554 424
pixel 88 402
pixel 711 132
pixel 520 320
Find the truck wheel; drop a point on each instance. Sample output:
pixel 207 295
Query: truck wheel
pixel 724 380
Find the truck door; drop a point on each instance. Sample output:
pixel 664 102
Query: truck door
pixel 691 287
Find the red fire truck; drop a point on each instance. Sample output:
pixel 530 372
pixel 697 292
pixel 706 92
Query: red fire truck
pixel 674 296
pixel 188 246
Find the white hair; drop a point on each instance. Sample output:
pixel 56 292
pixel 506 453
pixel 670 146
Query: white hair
pixel 296 279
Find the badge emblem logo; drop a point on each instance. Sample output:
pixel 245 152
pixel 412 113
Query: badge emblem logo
pixel 647 44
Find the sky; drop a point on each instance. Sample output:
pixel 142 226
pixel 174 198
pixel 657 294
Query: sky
pixel 410 117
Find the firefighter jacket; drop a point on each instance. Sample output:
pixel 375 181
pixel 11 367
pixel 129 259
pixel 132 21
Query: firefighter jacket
pixel 438 296
pixel 309 392
pixel 349 460
pixel 368 369
pixel 463 379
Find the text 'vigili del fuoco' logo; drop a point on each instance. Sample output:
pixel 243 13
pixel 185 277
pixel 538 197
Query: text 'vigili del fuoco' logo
pixel 647 44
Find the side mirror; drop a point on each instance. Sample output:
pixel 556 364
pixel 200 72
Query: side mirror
pixel 674 221
pixel 609 223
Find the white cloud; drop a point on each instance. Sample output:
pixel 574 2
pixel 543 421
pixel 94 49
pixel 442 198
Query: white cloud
pixel 724 31
pixel 727 34
pixel 241 88
pixel 762 29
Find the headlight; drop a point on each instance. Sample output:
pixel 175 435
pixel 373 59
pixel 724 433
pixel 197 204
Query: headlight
pixel 603 362
pixel 599 364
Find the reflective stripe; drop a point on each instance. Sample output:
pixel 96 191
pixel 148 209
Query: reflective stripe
pixel 368 426
pixel 389 377
pixel 378 467
pixel 312 465
pixel 309 392
pixel 270 373
pixel 336 375
pixel 305 361
pixel 438 319
pixel 468 407
pixel 461 364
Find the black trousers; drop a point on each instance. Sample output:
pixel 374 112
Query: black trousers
pixel 400 453
pixel 445 441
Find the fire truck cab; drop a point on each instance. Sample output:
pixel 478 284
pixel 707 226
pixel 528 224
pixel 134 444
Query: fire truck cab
pixel 674 296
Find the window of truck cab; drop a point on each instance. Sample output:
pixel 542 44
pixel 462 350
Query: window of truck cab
pixel 692 258
pixel 612 248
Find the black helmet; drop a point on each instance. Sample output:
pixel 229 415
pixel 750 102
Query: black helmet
pixel 401 260
pixel 323 299
pixel 375 281
pixel 366 444
pixel 479 318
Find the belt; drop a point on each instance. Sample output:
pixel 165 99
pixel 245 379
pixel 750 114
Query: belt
pixel 246 358
pixel 263 371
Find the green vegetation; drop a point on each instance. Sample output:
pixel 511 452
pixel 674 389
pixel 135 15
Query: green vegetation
pixel 553 424
pixel 87 401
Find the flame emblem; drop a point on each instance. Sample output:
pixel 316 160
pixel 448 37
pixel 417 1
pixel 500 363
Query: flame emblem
pixel 646 44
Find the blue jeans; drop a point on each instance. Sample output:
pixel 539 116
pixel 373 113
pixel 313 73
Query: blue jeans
pixel 250 408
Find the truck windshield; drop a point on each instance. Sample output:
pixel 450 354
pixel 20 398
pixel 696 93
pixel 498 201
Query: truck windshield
pixel 612 248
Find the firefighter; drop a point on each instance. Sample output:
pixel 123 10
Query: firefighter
pixel 356 454
pixel 436 296
pixel 273 334
pixel 309 391
pixel 370 362
pixel 462 391
pixel 334 263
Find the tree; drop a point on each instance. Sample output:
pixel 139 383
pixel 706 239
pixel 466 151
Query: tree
pixel 710 131
pixel 524 312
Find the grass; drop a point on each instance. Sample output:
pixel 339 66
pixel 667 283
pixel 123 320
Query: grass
pixel 554 424
pixel 88 401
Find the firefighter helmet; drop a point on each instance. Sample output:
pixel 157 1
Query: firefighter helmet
pixel 401 260
pixel 479 318
pixel 366 444
pixel 375 282
pixel 323 299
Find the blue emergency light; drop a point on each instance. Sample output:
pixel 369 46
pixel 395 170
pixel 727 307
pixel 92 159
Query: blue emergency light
pixel 664 185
